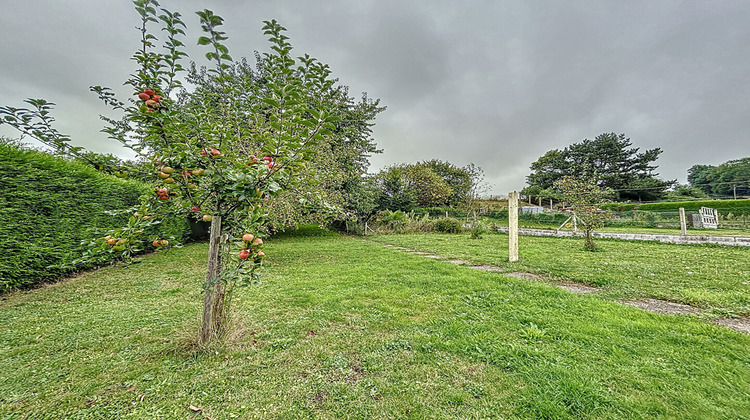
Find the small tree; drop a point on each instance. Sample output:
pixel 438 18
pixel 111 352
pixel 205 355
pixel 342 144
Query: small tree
pixel 220 150
pixel 585 197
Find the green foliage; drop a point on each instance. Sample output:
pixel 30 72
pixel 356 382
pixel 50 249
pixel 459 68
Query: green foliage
pixel 477 229
pixel 441 211
pixel 459 180
pixel 400 222
pixel 427 184
pixel 448 225
pixel 395 192
pixel 724 180
pixel 684 192
pixel 584 197
pixel 737 207
pixel 609 161
pixel 51 208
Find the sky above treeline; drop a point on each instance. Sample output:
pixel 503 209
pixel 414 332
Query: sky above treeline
pixel 494 83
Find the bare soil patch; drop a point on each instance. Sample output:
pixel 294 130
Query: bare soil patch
pixel 662 307
pixel 486 268
pixel 737 324
pixel 577 288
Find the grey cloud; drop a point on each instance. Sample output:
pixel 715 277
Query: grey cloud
pixel 493 83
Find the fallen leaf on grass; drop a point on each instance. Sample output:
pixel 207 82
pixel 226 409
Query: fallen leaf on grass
pixel 195 408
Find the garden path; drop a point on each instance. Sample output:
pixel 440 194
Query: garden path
pixel 650 305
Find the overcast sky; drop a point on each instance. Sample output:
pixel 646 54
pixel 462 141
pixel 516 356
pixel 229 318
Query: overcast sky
pixel 495 83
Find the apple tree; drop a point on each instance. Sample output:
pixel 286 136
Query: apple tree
pixel 220 149
pixel 585 197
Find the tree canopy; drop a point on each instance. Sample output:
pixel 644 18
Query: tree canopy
pixel 724 180
pixel 425 184
pixel 241 145
pixel 609 161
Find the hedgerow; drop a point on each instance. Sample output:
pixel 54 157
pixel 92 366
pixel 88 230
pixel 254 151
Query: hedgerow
pixel 49 205
pixel 736 207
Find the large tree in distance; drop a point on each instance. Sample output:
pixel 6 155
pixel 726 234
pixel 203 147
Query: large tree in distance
pixel 609 161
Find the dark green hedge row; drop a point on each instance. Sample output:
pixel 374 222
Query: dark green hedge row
pixel 724 206
pixel 48 206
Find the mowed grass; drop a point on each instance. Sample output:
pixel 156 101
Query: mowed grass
pixel 712 277
pixel 345 328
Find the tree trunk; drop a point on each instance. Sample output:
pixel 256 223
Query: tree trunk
pixel 213 304
pixel 589 244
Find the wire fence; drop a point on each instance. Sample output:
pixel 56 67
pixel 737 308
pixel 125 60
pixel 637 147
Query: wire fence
pixel 636 218
pixel 643 218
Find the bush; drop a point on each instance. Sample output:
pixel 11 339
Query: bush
pixel 448 225
pixel 400 222
pixel 49 206
pixel 477 229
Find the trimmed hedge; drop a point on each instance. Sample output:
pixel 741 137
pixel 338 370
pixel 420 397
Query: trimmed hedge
pixel 48 206
pixel 724 206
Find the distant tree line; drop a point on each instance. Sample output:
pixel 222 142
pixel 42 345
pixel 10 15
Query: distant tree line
pixel 726 180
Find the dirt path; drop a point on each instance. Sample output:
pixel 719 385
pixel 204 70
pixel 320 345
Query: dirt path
pixel 650 305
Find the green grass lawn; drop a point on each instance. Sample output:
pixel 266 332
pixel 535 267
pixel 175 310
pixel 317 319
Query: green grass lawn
pixel 345 328
pixel 716 278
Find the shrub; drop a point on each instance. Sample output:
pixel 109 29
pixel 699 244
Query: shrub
pixel 392 220
pixel 448 225
pixel 49 206
pixel 477 229
pixel 400 222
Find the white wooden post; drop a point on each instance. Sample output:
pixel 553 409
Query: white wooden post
pixel 513 226
pixel 683 221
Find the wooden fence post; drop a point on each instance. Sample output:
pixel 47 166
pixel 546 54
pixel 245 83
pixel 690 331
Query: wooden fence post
pixel 513 226
pixel 683 221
